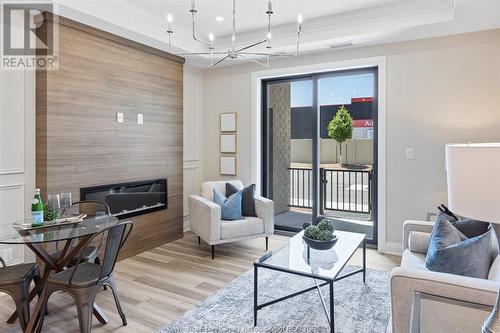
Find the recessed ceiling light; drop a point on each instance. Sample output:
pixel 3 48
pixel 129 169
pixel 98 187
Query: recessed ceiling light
pixel 219 19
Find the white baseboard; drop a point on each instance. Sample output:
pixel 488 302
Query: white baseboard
pixel 393 248
pixel 186 226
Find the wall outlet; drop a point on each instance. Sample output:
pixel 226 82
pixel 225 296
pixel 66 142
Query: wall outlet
pixel 409 154
pixel 119 117
pixel 140 119
pixel 8 254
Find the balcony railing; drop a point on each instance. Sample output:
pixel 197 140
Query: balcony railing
pixel 300 187
pixel 346 190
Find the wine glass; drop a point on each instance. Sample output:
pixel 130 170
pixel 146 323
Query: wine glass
pixel 66 202
pixel 54 204
pixel 53 201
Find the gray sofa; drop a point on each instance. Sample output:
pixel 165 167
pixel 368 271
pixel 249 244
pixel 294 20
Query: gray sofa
pixel 412 278
pixel 205 217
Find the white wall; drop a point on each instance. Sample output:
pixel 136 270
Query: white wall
pixel 438 90
pixel 192 132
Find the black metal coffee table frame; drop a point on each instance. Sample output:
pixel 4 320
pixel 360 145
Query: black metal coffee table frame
pixel 326 281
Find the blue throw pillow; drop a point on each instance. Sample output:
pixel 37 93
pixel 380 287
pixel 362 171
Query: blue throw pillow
pixel 230 207
pixel 451 252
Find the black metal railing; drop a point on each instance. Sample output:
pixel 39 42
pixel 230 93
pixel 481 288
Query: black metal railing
pixel 300 187
pixel 346 190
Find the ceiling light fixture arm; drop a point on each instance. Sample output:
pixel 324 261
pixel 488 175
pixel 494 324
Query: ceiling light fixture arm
pixel 233 37
pixel 299 32
pixel 269 12
pixel 221 60
pixel 193 12
pixel 169 32
pixel 265 64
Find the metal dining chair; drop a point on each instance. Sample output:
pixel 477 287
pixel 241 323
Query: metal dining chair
pixel 84 280
pixel 15 281
pixel 90 208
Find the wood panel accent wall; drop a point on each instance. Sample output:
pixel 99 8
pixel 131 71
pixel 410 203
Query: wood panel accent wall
pixel 80 143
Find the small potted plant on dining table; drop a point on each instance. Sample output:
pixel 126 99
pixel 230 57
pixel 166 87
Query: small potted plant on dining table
pixel 320 237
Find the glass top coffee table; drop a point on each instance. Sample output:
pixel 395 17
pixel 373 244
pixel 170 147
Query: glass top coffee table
pixel 296 258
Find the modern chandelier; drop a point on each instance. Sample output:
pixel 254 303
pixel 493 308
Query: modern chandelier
pixel 234 52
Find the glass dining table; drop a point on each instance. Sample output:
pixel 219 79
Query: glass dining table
pixel 72 237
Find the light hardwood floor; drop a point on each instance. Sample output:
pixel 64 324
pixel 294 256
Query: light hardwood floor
pixel 158 286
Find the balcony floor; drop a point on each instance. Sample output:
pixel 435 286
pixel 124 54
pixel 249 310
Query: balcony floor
pixel 294 219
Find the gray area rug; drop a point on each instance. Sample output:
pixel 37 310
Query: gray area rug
pixel 358 307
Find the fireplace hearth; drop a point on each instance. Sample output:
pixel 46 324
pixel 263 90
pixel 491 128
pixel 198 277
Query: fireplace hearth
pixel 130 199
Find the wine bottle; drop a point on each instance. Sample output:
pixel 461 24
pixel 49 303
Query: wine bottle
pixel 37 209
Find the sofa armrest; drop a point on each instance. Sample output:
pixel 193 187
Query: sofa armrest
pixel 405 282
pixel 204 218
pixel 265 210
pixel 412 225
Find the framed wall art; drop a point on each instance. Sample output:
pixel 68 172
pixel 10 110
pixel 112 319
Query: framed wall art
pixel 228 143
pixel 228 165
pixel 228 122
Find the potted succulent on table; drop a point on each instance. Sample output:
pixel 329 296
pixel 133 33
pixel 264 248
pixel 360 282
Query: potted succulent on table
pixel 320 237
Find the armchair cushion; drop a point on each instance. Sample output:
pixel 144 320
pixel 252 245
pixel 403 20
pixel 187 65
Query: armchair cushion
pixel 230 206
pixel 248 226
pixel 413 260
pixel 248 198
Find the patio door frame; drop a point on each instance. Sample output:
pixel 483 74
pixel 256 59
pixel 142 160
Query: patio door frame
pixel 317 182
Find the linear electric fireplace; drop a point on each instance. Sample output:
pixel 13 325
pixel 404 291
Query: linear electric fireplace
pixel 129 199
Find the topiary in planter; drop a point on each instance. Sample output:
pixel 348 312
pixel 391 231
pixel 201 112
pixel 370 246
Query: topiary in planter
pixel 319 239
pixel 325 235
pixel 312 232
pixel 326 225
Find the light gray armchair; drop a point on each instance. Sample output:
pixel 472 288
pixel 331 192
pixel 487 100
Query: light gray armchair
pixel 413 278
pixel 205 217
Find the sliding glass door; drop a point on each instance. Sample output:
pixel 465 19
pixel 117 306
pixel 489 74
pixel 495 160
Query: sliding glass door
pixel 310 168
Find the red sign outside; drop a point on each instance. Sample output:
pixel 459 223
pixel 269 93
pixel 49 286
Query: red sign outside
pixel 363 123
pixel 361 99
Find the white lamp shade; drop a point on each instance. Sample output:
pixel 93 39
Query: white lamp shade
pixel 473 172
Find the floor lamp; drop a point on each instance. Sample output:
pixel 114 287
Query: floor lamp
pixel 474 192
